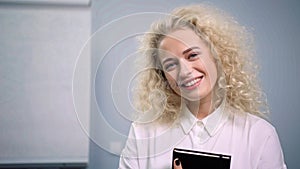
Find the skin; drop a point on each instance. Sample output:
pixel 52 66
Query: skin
pixel 177 166
pixel 190 69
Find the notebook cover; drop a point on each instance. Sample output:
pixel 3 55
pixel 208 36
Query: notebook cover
pixel 191 159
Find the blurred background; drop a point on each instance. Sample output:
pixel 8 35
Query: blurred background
pixel 65 75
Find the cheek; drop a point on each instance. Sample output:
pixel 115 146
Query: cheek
pixel 212 72
pixel 171 78
pixel 210 68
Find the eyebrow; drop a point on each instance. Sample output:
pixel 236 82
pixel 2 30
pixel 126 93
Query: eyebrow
pixel 189 49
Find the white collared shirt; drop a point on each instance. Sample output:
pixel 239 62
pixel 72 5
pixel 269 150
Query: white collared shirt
pixel 251 141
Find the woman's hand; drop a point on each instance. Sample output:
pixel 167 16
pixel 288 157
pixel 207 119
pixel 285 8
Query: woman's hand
pixel 177 164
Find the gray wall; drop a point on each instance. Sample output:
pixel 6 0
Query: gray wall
pixel 274 25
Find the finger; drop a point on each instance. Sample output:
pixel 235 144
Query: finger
pixel 177 164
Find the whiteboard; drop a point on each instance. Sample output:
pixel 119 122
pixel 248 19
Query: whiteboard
pixel 38 52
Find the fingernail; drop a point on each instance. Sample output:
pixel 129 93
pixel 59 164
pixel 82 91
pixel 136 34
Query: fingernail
pixel 177 162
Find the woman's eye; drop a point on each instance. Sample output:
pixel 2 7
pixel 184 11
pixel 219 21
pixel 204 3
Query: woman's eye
pixel 193 55
pixel 170 66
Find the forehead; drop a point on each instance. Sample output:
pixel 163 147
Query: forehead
pixel 180 40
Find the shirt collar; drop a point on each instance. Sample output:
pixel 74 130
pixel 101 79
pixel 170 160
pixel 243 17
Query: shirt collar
pixel 212 123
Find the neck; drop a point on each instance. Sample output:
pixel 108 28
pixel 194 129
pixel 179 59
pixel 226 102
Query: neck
pixel 200 108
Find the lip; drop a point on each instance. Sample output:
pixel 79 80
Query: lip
pixel 196 84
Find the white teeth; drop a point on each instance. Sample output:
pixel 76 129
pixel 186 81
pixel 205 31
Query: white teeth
pixel 191 83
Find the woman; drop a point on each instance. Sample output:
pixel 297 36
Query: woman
pixel 199 92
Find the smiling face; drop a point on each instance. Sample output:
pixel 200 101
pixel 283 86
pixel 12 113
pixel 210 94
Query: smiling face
pixel 188 65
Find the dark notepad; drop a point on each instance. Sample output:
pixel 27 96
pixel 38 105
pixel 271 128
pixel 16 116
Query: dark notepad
pixel 201 160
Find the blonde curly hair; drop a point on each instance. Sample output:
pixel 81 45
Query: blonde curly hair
pixel 232 48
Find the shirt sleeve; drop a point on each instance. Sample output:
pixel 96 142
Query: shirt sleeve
pixel 129 156
pixel 272 156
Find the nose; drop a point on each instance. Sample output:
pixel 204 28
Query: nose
pixel 185 69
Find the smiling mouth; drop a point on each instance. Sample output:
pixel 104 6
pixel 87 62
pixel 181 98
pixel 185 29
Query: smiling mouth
pixel 192 82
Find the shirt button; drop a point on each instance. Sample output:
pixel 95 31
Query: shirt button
pixel 199 123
